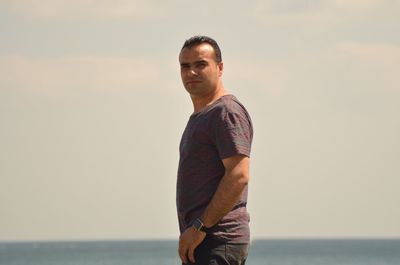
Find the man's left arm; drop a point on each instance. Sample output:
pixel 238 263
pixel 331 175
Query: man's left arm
pixel 229 189
pixel 225 198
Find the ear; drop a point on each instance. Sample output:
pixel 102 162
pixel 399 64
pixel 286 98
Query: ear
pixel 220 68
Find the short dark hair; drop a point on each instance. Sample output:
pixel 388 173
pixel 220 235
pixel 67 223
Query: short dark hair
pixel 196 40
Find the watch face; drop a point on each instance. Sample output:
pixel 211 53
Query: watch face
pixel 197 224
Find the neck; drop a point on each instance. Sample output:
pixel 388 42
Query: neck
pixel 202 101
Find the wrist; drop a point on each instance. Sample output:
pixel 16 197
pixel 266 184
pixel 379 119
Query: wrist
pixel 199 226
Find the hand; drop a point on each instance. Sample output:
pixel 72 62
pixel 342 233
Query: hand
pixel 188 242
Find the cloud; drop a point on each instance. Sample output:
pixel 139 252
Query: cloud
pixel 376 63
pixel 357 5
pixel 267 77
pixel 283 12
pixel 86 8
pixel 57 76
pixel 315 14
pixel 379 53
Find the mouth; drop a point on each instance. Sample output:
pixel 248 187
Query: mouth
pixel 193 82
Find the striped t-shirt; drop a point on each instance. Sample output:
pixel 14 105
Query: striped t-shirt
pixel 221 130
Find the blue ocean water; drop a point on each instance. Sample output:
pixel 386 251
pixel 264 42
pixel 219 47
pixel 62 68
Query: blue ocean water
pixel 262 252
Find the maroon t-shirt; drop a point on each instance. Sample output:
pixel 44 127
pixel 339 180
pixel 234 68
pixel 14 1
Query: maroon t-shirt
pixel 220 130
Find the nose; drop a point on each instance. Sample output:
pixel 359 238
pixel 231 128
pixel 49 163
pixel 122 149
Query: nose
pixel 192 72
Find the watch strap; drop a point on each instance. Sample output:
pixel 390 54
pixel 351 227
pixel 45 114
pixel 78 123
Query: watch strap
pixel 199 225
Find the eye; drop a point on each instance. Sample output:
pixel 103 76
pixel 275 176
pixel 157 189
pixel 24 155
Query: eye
pixel 201 65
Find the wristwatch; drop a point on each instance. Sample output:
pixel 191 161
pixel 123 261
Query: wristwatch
pixel 199 226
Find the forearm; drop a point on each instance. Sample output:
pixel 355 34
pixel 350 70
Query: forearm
pixel 226 197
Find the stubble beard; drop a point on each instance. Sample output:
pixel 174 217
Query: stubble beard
pixel 195 89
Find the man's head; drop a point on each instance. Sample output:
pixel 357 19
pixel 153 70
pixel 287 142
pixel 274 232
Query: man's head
pixel 201 66
pixel 196 40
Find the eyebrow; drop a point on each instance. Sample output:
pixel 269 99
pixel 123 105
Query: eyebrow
pixel 195 62
pixel 200 61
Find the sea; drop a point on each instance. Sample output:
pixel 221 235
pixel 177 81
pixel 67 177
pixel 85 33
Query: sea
pixel 262 252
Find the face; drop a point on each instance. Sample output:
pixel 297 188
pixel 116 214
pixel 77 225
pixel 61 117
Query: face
pixel 200 72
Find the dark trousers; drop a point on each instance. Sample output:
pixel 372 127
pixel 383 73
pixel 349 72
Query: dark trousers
pixel 214 252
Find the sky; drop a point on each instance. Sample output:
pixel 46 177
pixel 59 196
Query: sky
pixel 92 110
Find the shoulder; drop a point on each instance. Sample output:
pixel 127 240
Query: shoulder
pixel 231 104
pixel 228 104
pixel 226 109
pixel 228 112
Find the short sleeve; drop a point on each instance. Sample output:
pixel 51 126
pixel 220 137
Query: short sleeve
pixel 234 133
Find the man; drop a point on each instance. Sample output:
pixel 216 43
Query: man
pixel 213 168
